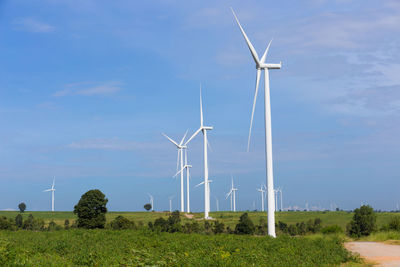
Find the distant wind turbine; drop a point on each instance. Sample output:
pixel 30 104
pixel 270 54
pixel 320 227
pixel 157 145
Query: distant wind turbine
pixel 170 203
pixel 187 167
pixel 232 194
pixel 262 190
pixel 151 202
pixel 180 147
pixel 206 182
pixel 261 65
pixel 52 189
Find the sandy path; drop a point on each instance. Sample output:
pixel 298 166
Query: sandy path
pixel 377 253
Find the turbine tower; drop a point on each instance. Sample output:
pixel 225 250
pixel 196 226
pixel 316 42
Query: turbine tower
pixel 217 202
pixel 206 182
pixel 52 189
pixel 261 65
pixel 262 190
pixel 170 203
pixel 187 167
pixel 179 160
pixel 151 202
pixel 232 194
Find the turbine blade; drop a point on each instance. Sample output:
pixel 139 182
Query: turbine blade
pixel 172 141
pixel 47 190
pixel 201 109
pixel 251 47
pixel 187 142
pixel 179 172
pixel 199 184
pixel 183 138
pixel 254 107
pixel 265 53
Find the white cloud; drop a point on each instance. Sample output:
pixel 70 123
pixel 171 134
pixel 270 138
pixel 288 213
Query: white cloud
pixel 90 89
pixel 32 25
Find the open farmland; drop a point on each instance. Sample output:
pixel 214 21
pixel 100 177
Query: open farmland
pixel 340 218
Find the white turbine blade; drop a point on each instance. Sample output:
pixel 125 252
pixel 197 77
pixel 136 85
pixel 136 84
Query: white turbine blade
pixel 54 181
pixel 190 139
pixel 251 47
pixel 199 184
pixel 265 53
pixel 201 109
pixel 172 141
pixel 47 190
pixel 179 172
pixel 254 107
pixel 183 139
pixel 228 194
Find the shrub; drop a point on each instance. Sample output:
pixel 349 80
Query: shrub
pixel 363 222
pixel 283 227
pixel 121 222
pixel 218 227
pixel 5 224
pixel 18 221
pixel 33 224
pixel 394 224
pixel 292 230
pixel 245 225
pixel 262 227
pixel 66 224
pixel 91 210
pixel 147 206
pixel 332 229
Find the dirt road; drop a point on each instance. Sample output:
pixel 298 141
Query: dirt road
pixel 377 253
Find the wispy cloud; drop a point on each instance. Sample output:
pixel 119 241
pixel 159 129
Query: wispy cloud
pixel 32 25
pixel 90 89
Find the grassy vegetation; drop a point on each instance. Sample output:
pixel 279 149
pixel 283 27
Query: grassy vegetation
pixel 340 218
pixel 144 248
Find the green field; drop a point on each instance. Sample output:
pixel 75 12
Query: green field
pixel 340 218
pixel 145 248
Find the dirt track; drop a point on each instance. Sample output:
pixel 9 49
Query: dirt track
pixel 377 253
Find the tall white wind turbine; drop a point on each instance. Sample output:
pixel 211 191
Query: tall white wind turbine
pixel 262 190
pixel 261 65
pixel 52 189
pixel 232 194
pixel 151 202
pixel 180 147
pixel 187 167
pixel 206 182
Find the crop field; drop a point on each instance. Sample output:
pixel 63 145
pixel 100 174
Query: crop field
pixel 340 218
pixel 144 248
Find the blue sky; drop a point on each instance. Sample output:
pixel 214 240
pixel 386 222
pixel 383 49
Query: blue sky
pixel 87 87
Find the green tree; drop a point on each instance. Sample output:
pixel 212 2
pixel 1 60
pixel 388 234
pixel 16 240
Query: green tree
pixel 121 222
pixel 147 206
pixel 245 225
pixel 18 221
pixel 66 224
pixel 363 222
pixel 218 227
pixel 91 210
pixel 22 207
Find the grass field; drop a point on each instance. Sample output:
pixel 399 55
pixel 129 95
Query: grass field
pixel 340 218
pixel 144 248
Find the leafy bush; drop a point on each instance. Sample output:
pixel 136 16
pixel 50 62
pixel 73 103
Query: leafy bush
pixel 218 227
pixel 245 225
pixel 6 224
pixel 33 224
pixel 91 210
pixel 147 206
pixel 120 223
pixel 18 221
pixel 363 222
pixel 332 229
pixel 66 224
pixel 394 224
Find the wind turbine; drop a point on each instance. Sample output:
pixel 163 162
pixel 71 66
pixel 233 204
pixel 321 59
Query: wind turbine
pixel 262 190
pixel 179 158
pixel 151 202
pixel 232 194
pixel 187 167
pixel 52 189
pixel 170 203
pixel 261 65
pixel 206 182
pixel 217 202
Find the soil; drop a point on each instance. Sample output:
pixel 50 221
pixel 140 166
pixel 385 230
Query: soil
pixel 380 254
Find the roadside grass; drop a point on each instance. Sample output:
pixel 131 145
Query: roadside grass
pixel 79 247
pixel 389 237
